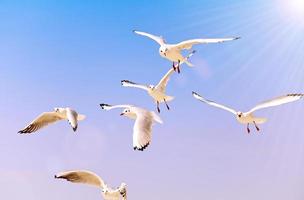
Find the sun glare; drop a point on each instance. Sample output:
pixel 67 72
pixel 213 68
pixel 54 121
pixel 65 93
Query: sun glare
pixel 293 9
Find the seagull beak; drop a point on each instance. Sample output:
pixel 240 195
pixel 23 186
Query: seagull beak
pixel 165 54
pixel 121 114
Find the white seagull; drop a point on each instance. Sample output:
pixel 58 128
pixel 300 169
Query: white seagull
pixel 248 117
pixel 158 92
pixel 89 178
pixel 172 52
pixel 144 119
pixel 47 118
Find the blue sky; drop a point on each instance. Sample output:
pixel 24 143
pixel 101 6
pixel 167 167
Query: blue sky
pixel 74 53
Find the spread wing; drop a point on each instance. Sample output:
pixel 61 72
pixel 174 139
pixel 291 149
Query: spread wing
pixel 277 101
pixel 127 83
pixel 212 103
pixel 157 39
pixel 189 43
pixel 41 121
pixel 164 81
pixel 109 107
pixel 72 118
pixel 85 177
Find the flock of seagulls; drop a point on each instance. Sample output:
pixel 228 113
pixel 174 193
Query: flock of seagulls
pixel 144 119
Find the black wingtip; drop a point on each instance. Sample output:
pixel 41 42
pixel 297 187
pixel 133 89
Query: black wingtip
pixel 236 38
pixel 55 176
pixel 127 81
pixel 134 31
pixel 22 132
pixel 194 93
pixel 141 148
pixel 102 105
pixel 74 129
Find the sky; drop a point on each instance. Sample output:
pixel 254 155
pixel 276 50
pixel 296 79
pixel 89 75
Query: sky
pixel 75 53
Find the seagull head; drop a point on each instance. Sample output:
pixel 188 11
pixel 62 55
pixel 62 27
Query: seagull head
pixel 128 113
pixel 239 114
pixel 105 190
pixel 122 186
pixel 59 110
pixel 163 50
pixel 151 86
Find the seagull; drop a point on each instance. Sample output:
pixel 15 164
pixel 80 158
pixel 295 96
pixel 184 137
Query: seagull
pixel 158 92
pixel 144 119
pixel 89 178
pixel 248 117
pixel 47 118
pixel 172 52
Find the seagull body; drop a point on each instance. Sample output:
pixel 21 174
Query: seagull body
pixel 173 53
pixel 248 117
pixel 89 178
pixel 144 119
pixel 158 92
pixel 47 118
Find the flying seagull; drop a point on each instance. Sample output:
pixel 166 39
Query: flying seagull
pixel 158 92
pixel 47 118
pixel 89 178
pixel 172 52
pixel 144 119
pixel 248 117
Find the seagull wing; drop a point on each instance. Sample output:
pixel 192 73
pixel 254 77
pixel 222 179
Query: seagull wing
pixel 161 86
pixel 72 118
pixel 41 121
pixel 277 101
pixel 85 177
pixel 164 81
pixel 157 39
pixel 109 107
pixel 212 103
pixel 189 43
pixel 142 130
pixel 127 83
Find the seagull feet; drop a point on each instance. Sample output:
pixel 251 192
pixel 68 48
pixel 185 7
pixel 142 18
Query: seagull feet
pixel 248 130
pixel 166 104
pixel 173 66
pixel 178 69
pixel 257 128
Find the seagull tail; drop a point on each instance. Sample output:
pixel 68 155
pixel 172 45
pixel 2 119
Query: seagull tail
pixel 189 63
pixel 169 98
pixel 80 117
pixel 260 120
pixel 156 118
